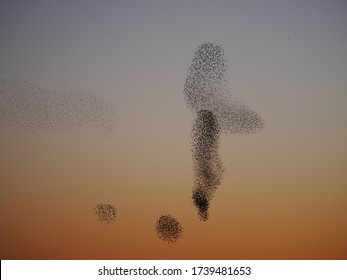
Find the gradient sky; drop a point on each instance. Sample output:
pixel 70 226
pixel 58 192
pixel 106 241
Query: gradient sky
pixel 284 192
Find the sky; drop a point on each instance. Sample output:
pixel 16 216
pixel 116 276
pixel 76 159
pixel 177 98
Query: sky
pixel 284 191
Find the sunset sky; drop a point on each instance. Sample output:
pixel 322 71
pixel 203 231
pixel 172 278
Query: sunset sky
pixel 284 192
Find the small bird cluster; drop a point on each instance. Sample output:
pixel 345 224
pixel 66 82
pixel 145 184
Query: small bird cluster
pixel 168 228
pixel 207 95
pixel 29 108
pixel 106 213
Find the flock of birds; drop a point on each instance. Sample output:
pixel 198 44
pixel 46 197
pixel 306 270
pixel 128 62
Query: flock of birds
pixel 168 228
pixel 106 213
pixel 29 108
pixel 26 107
pixel 216 111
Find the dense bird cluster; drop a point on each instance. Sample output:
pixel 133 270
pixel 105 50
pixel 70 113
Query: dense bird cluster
pixel 208 167
pixel 168 228
pixel 207 95
pixel 29 108
pixel 106 213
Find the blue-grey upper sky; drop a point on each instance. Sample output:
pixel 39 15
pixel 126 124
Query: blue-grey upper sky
pixel 281 53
